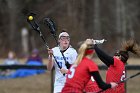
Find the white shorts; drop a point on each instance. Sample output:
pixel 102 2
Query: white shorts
pixel 58 89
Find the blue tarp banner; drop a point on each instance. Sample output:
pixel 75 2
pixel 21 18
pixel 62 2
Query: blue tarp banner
pixel 25 72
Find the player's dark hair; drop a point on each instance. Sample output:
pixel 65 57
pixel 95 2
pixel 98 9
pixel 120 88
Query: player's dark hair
pixel 127 46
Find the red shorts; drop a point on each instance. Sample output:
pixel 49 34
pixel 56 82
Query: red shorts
pixel 71 90
pixel 91 89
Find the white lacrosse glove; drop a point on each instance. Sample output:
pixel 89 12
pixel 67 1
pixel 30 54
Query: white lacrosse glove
pixel 99 41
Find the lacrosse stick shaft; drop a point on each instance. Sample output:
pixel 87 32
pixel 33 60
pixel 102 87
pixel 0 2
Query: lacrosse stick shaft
pixel 123 80
pixel 129 78
pixel 48 48
pixel 35 26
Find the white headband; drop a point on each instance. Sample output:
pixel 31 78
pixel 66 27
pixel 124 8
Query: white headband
pixel 63 34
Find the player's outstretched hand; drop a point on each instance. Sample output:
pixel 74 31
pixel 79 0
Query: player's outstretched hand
pixel 50 52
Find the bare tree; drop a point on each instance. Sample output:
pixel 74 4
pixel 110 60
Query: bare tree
pixel 12 5
pixel 97 25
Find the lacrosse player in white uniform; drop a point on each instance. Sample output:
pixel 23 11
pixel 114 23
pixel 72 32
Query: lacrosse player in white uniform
pixel 65 55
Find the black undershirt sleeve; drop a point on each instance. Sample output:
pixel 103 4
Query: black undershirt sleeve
pixel 99 80
pixel 105 58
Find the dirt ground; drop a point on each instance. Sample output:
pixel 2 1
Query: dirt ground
pixel 42 83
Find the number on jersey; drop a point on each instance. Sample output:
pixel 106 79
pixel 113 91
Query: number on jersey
pixel 92 79
pixel 123 76
pixel 72 71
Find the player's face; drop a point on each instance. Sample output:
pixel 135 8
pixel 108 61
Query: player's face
pixel 117 55
pixel 11 55
pixel 64 42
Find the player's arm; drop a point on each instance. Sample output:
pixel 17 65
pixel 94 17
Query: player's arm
pixel 101 83
pixel 105 58
pixel 50 59
pixel 99 80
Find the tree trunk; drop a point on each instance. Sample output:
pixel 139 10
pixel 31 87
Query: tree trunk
pixel 123 12
pixel 118 22
pixel 97 25
pixel 12 5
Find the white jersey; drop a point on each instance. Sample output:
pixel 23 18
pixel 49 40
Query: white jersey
pixel 70 56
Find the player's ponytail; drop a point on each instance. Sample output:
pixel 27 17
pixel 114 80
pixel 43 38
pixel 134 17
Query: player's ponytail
pixel 127 46
pixel 81 53
pixel 131 46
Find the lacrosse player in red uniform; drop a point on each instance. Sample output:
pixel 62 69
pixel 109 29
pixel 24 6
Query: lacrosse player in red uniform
pixel 81 71
pixel 116 64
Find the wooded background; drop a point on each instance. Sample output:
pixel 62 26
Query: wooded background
pixel 114 20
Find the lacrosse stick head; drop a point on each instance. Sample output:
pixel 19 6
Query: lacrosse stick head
pixel 50 23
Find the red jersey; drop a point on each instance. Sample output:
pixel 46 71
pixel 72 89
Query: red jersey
pixel 92 86
pixel 116 73
pixel 79 76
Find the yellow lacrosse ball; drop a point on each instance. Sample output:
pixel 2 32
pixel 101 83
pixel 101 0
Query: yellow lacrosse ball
pixel 30 18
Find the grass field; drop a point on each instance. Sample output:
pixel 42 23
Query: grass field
pixel 42 83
